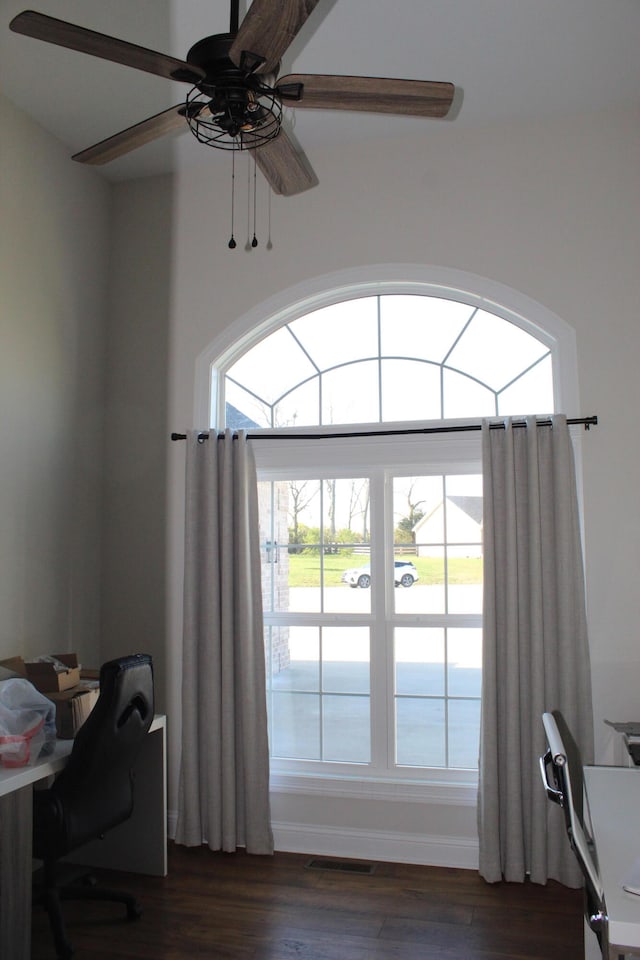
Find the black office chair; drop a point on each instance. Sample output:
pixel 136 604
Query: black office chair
pixel 561 770
pixel 94 792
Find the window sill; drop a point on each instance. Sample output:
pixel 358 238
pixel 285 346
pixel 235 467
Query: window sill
pixel 450 793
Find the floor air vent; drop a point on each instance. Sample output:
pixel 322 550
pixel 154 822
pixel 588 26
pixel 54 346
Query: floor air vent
pixel 341 866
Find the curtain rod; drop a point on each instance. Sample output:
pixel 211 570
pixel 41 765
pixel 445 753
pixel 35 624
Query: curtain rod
pixel 586 422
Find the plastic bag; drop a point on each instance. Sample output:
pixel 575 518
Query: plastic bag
pixel 27 723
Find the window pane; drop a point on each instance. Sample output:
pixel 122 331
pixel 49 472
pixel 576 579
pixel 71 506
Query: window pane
pixel 276 640
pixel 295 658
pixel 273 501
pixel 295 726
pixel 464 579
pixel 464 397
pixel 463 512
pixel 356 588
pixel 305 570
pixel 410 391
pixel 464 733
pixel 306 724
pixel 244 410
pixel 273 366
pixel 315 545
pixel 294 686
pixel 464 661
pixel 420 732
pixel 422 327
pixel 339 333
pixel 531 393
pixel 346 567
pixel 299 408
pixel 418 516
pixel 494 351
pixel 419 661
pixel 422 657
pixel 350 394
pixel 345 659
pixel 346 726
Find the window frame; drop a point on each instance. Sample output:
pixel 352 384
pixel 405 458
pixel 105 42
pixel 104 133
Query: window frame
pixel 378 457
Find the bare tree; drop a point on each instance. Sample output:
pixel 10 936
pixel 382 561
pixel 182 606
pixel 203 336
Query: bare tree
pixel 299 499
pixel 365 513
pixel 414 512
pixel 358 504
pixel 331 508
pixel 354 502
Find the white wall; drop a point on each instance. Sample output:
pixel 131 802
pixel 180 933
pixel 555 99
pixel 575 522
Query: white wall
pixel 133 582
pixel 54 220
pixel 550 210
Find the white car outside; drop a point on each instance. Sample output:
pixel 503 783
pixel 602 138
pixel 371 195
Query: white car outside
pixel 405 575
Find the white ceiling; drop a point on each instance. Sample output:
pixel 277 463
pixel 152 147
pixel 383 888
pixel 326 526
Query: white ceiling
pixel 510 59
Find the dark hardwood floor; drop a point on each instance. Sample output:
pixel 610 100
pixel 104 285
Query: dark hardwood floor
pixel 262 908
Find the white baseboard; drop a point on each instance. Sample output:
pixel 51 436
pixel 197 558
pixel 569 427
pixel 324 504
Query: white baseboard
pixel 434 851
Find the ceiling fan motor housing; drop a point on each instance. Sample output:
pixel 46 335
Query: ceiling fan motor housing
pixel 231 106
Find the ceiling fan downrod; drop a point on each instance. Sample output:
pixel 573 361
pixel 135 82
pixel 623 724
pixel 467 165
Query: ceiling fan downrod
pixel 234 21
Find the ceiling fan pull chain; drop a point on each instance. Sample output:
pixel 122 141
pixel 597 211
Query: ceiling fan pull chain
pixel 269 243
pixel 232 242
pixel 247 245
pixel 254 242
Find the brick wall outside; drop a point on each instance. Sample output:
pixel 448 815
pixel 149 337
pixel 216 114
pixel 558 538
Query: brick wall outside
pixel 275 564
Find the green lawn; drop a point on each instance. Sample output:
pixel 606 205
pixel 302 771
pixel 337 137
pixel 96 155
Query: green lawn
pixel 304 569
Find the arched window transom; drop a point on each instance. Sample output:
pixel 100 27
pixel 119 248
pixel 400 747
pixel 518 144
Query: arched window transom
pixel 387 358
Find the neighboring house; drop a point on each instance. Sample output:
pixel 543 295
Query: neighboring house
pixel 237 420
pixel 463 519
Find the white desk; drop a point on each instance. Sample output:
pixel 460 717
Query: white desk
pixel 140 845
pixel 613 794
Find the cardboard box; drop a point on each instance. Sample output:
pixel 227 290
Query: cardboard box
pixel 73 707
pixel 90 673
pixel 12 666
pixel 46 679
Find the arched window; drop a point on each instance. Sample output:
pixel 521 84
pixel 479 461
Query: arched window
pixel 389 358
pixel 372 545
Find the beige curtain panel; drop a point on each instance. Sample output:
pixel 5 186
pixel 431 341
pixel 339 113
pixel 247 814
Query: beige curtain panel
pixel 224 777
pixel 535 648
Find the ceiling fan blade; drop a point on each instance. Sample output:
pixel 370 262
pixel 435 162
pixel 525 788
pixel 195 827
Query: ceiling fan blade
pixel 268 29
pixel 42 27
pixel 284 165
pixel 412 98
pixel 133 137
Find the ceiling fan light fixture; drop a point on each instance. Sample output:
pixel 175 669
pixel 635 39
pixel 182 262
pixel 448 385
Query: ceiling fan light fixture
pixel 235 118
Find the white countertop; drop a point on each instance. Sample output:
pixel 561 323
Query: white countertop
pixel 14 778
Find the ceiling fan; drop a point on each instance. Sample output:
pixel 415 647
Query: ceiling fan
pixel 236 97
